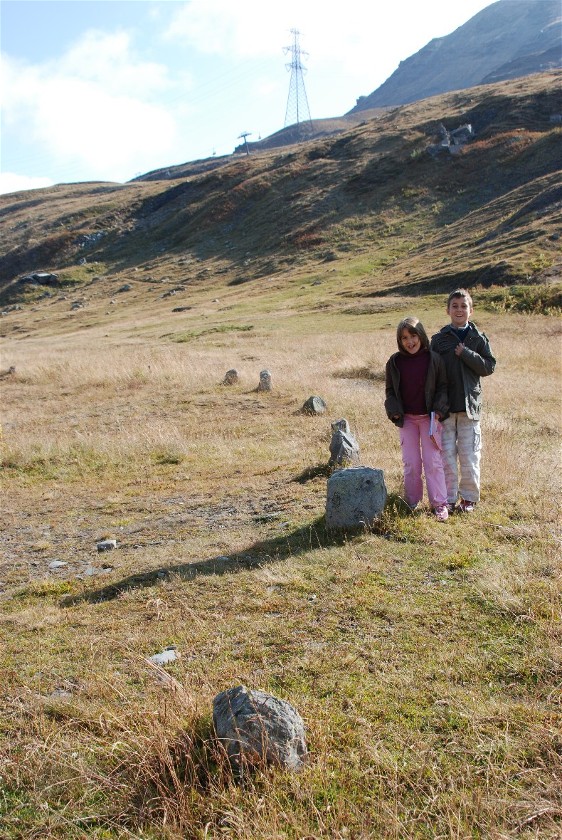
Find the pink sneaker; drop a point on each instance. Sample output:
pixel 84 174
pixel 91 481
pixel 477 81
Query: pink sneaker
pixel 441 513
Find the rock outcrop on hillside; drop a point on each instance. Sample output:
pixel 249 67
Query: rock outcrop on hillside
pixel 508 39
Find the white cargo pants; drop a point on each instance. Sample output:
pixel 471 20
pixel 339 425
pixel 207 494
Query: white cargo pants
pixel 462 446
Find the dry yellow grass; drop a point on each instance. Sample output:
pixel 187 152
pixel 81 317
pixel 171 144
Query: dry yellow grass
pixel 425 659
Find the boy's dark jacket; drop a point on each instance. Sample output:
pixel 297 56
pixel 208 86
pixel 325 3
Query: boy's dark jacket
pixel 476 360
pixel 435 388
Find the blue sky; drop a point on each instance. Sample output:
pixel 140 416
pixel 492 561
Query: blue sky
pixel 103 90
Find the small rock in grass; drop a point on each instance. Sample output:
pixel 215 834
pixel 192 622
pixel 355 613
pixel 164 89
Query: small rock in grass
pixel 314 405
pixel 230 377
pixel 106 545
pixel 169 654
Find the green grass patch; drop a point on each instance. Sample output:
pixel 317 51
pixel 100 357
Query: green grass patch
pixel 75 462
pixel 224 328
pixel 166 456
pixel 89 272
pixel 544 299
pixel 45 589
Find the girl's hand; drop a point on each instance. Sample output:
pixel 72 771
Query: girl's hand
pixel 459 348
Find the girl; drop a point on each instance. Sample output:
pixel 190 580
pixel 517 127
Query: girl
pixel 416 397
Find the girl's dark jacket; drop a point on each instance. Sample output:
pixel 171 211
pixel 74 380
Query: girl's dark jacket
pixel 435 388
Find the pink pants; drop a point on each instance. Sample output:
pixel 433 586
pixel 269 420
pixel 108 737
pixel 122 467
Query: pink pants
pixel 419 450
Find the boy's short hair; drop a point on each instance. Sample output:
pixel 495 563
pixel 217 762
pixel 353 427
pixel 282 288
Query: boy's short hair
pixel 459 293
pixel 414 327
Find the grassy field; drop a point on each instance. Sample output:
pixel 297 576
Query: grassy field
pixel 424 658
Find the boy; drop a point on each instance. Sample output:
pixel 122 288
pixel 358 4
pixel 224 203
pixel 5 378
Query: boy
pixel 467 356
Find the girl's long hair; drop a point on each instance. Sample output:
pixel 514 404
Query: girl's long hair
pixel 414 327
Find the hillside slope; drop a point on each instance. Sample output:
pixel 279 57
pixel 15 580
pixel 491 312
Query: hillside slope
pixel 382 203
pixel 508 39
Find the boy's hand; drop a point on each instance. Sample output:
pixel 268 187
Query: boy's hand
pixel 459 348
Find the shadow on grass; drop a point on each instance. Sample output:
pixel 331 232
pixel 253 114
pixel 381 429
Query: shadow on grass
pixel 165 777
pixel 307 538
pixel 310 473
pixel 444 283
pixel 172 776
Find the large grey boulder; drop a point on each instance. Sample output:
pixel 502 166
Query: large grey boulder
pixel 41 278
pixel 344 449
pixel 356 497
pixel 256 728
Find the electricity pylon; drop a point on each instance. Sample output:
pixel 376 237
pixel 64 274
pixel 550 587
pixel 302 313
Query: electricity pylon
pixel 297 112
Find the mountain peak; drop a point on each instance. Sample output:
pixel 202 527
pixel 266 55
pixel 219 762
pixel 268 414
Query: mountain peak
pixel 507 39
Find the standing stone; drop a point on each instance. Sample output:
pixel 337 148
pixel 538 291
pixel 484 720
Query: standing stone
pixel 265 381
pixel 255 728
pixel 341 426
pixel 356 497
pixel 314 405
pixel 230 377
pixel 344 449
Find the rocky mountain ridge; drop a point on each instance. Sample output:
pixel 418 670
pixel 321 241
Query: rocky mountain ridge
pixel 506 40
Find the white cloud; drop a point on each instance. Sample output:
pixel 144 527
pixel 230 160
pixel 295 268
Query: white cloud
pixel 355 37
pixel 96 106
pixel 107 60
pixel 343 45
pixel 11 183
pixel 349 48
pixel 251 29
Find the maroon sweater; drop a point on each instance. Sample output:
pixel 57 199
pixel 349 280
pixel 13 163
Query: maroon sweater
pixel 413 373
